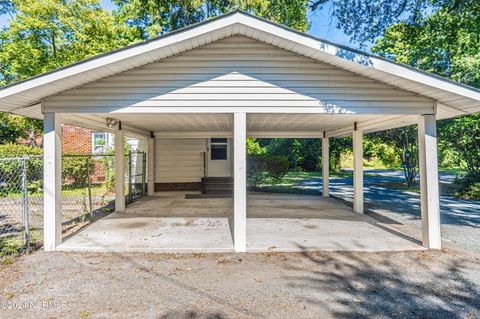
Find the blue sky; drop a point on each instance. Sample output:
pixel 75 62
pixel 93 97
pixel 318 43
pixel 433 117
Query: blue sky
pixel 323 26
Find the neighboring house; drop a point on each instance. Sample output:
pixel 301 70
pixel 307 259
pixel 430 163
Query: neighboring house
pixel 84 141
pixel 197 93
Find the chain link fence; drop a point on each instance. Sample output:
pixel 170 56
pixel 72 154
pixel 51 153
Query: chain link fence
pixel 88 193
pixel 21 204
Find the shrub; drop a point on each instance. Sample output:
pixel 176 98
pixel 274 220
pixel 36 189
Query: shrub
pixel 17 150
pixel 469 186
pixel 11 171
pixel 74 169
pixel 263 168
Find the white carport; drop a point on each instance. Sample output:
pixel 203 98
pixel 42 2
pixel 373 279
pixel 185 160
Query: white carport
pixel 237 76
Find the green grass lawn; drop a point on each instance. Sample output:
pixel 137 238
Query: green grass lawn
pixel 97 190
pixel 69 191
pixel 451 170
pixel 292 180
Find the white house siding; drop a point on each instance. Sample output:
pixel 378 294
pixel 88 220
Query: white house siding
pixel 240 72
pixel 179 160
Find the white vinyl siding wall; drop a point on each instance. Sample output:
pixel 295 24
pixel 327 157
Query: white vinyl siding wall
pixel 179 160
pixel 240 72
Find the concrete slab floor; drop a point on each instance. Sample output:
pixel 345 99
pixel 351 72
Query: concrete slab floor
pixel 167 222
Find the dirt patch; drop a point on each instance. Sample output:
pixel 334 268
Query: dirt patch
pixel 131 225
pixel 266 285
pixel 186 223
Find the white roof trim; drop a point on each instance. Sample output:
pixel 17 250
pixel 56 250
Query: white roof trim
pixel 454 98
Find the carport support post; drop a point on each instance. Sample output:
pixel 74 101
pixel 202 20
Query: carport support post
pixel 119 169
pixel 429 194
pixel 357 170
pixel 240 182
pixel 52 181
pixel 150 166
pixel 325 166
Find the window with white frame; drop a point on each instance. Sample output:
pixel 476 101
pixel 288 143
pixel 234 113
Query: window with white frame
pixel 99 142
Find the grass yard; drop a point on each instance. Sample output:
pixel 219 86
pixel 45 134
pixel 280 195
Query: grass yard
pixel 67 191
pixel 310 182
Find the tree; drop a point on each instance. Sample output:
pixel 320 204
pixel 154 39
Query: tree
pixel 48 34
pixel 337 147
pixel 365 20
pixel 404 142
pixel 150 18
pixel 13 127
pixel 462 135
pixel 253 147
pixel 445 43
pixel 44 35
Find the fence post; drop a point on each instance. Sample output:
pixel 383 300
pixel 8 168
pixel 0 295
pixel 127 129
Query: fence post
pixel 130 177
pixel 144 174
pixel 25 205
pixel 89 182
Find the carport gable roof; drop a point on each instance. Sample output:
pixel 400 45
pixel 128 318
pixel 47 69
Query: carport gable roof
pixel 452 98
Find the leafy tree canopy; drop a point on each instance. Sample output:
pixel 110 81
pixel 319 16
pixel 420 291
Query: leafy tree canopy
pixel 150 18
pixel 364 20
pixel 13 126
pixel 446 43
pixel 44 35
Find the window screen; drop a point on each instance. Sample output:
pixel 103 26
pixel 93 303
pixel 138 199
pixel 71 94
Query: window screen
pixel 99 143
pixel 218 151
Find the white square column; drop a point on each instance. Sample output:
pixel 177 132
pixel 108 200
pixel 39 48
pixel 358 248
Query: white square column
pixel 52 181
pixel 429 193
pixel 325 166
pixel 358 171
pixel 119 169
pixel 240 182
pixel 151 166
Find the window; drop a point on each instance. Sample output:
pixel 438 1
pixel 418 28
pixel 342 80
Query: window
pixel 99 143
pixel 218 148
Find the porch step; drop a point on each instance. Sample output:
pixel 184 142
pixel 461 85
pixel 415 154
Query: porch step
pixel 217 179
pixel 208 196
pixel 217 185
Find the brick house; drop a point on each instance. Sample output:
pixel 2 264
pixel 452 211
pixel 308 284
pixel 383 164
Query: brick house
pixel 82 141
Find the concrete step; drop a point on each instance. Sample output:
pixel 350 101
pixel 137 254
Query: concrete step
pixel 219 191
pixel 217 179
pixel 218 185
pixel 208 196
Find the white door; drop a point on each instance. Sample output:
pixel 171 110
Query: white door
pixel 218 157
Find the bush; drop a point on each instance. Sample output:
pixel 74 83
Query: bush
pixel 74 169
pixel 11 171
pixel 17 150
pixel 263 168
pixel 469 186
